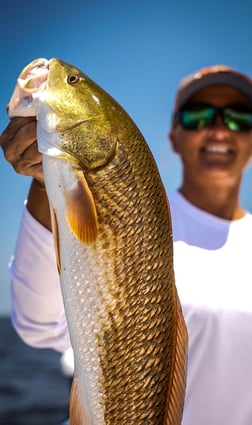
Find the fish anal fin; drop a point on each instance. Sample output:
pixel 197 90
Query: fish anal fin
pixel 81 211
pixel 55 230
pixel 77 412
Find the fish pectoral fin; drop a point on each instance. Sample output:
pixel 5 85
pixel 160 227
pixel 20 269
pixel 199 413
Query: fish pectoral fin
pixel 81 211
pixel 77 412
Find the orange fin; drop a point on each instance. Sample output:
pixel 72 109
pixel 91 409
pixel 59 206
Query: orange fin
pixel 176 392
pixel 81 211
pixel 55 231
pixel 78 414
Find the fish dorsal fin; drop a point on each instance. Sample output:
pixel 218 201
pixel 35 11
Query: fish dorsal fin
pixel 80 210
pixel 78 414
pixel 55 230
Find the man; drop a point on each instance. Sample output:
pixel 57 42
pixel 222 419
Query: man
pixel 212 133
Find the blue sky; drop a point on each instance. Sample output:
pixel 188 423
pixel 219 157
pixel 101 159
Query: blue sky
pixel 137 51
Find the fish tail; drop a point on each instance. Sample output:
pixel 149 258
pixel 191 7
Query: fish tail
pixel 78 414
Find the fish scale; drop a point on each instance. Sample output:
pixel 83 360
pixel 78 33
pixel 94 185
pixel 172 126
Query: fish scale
pixel 117 342
pixel 115 254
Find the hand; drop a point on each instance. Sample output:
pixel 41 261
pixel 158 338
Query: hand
pixel 19 144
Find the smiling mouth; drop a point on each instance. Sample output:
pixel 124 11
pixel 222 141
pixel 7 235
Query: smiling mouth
pixel 222 150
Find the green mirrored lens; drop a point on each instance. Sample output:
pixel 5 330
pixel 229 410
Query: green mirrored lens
pixel 197 118
pixel 237 120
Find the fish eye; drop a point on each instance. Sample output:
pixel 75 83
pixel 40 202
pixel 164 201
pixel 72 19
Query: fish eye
pixel 73 79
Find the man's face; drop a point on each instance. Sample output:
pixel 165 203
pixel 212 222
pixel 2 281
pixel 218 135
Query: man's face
pixel 213 152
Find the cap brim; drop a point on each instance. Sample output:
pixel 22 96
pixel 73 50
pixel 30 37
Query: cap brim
pixel 221 78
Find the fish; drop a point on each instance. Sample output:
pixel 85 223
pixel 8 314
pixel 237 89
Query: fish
pixel 113 241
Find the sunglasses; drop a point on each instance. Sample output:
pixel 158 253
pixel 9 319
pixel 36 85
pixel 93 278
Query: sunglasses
pixel 198 116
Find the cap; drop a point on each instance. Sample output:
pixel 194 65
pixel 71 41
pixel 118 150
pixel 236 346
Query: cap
pixel 211 76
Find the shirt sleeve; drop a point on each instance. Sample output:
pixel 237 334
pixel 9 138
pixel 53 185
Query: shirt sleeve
pixel 37 307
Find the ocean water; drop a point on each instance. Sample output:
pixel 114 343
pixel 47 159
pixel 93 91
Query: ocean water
pixel 33 389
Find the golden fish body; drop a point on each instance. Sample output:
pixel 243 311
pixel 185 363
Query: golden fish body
pixel 113 239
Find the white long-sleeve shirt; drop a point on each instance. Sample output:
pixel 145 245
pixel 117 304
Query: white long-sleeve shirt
pixel 37 307
pixel 213 271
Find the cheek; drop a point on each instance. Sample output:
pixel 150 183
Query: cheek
pixel 178 140
pixel 245 153
pixel 188 143
pixel 246 146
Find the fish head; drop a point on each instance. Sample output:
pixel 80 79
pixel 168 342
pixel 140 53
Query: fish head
pixel 77 120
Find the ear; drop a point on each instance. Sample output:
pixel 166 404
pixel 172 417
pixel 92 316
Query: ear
pixel 173 139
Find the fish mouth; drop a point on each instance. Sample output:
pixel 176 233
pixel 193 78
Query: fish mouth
pixel 34 76
pixel 31 82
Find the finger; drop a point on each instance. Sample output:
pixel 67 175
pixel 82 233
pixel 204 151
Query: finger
pixel 30 168
pixel 29 163
pixel 16 138
pixel 36 171
pixel 12 128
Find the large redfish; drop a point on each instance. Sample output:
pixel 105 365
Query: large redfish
pixel 113 240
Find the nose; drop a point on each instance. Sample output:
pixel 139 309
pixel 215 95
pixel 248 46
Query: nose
pixel 218 123
pixel 218 131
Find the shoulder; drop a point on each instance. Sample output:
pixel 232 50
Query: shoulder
pixel 184 213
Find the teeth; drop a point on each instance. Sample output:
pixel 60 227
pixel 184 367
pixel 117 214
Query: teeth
pixel 217 149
